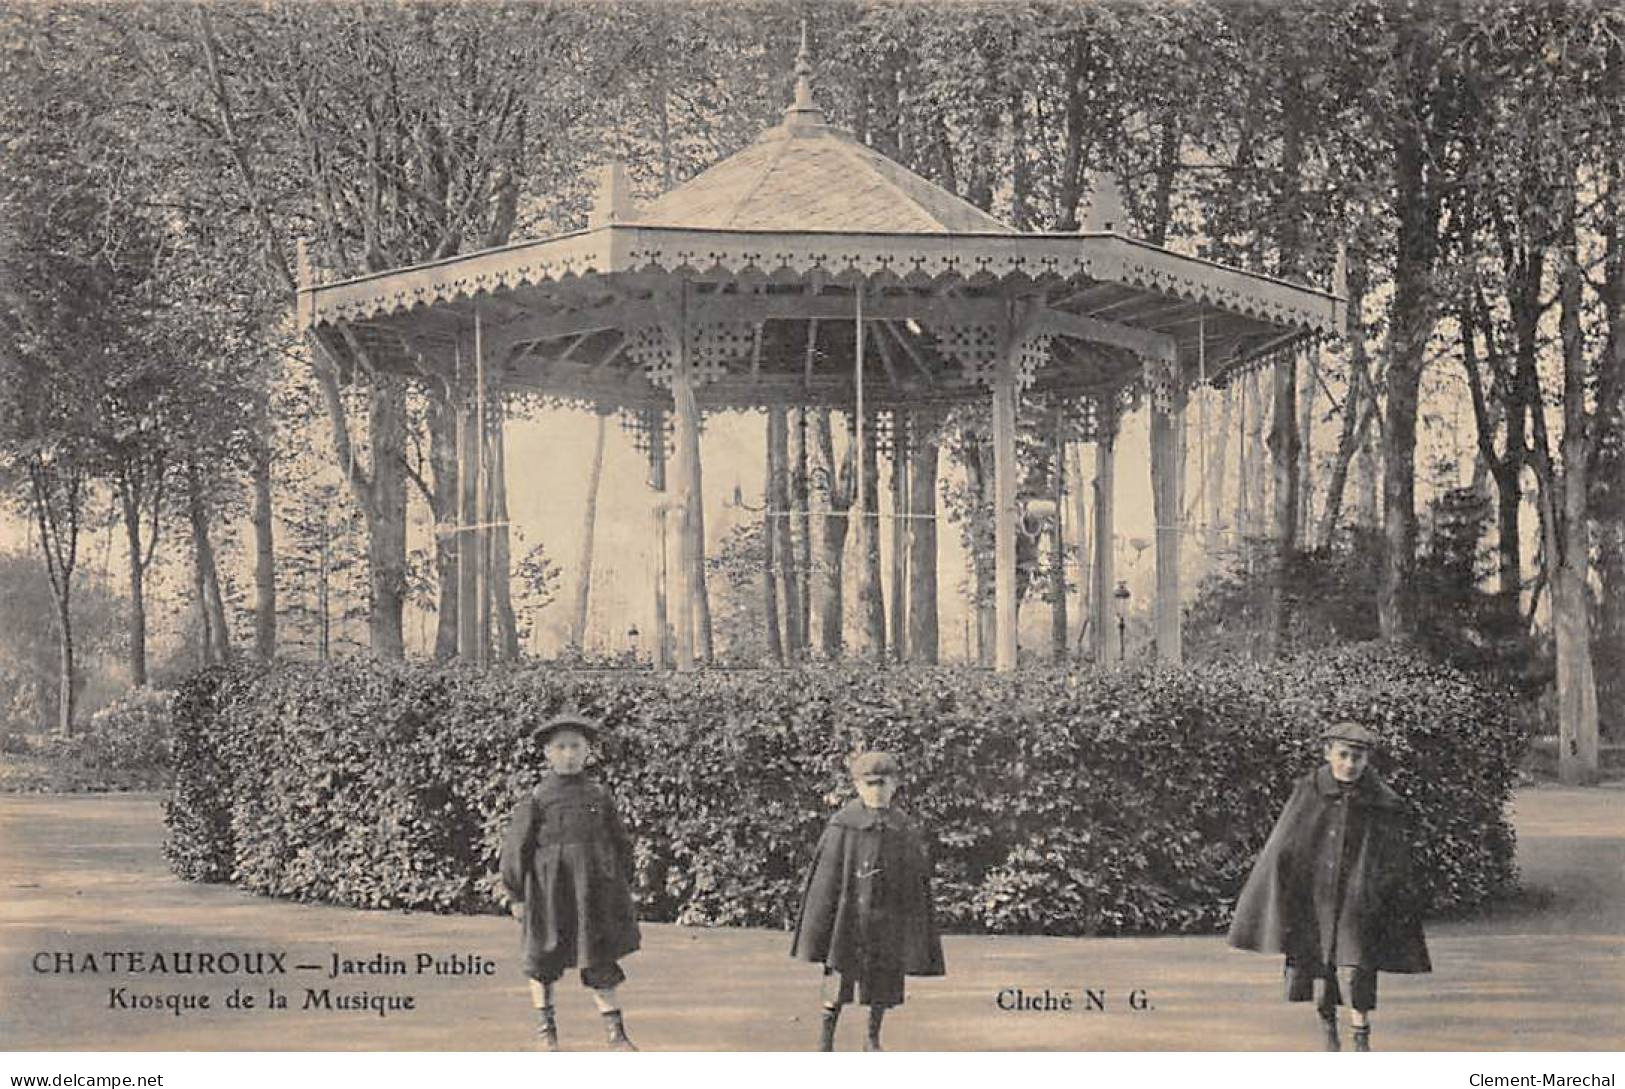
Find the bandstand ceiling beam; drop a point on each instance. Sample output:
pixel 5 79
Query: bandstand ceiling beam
pixel 1142 342
pixel 914 356
pixel 886 356
pixel 609 357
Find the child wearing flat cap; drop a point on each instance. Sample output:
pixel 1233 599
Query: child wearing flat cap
pixel 565 863
pixel 1332 888
pixel 866 911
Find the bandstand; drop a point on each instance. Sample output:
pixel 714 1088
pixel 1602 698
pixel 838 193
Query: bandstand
pixel 809 270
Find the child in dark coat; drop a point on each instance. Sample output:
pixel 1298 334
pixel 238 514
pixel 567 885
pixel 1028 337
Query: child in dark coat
pixel 866 912
pixel 565 861
pixel 1332 888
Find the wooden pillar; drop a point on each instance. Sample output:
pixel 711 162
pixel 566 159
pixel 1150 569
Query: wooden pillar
pixel 1167 498
pixel 468 510
pixel 902 527
pixel 686 417
pixel 1102 636
pixel 1004 517
pixel 657 483
pixel 482 500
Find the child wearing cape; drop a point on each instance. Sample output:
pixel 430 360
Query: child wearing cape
pixel 866 911
pixel 1332 888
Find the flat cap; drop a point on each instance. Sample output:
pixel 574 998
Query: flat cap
pixel 867 764
pixel 1353 733
pixel 581 724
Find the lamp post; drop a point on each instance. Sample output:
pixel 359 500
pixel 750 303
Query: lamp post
pixel 1120 598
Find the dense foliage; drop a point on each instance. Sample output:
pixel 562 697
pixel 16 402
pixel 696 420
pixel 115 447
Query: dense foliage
pixel 124 746
pixel 1061 803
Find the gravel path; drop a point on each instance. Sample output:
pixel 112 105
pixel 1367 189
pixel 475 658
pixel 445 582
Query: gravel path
pixel 82 875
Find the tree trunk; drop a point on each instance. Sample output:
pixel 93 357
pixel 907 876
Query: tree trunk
pixel 444 504
pixel 1608 475
pixel 801 521
pixel 1306 441
pixel 1610 634
pixel 589 523
pixel 871 597
pixel 58 525
pixel 1571 614
pixel 386 522
pixel 130 502
pixel 1218 456
pixel 899 534
pixel 779 523
pixel 1356 407
pixel 1256 479
pixel 922 538
pixel 770 594
pixel 1057 537
pixel 770 538
pixel 1577 713
pixel 1410 325
pixel 216 637
pixel 1395 613
pixel 833 487
pixel 500 566
pixel 1079 511
pixel 978 477
pixel 1284 449
pixel 704 643
pixel 264 552
pixel 65 692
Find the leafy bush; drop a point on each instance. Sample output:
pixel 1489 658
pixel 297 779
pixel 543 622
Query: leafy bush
pixel 1060 803
pixel 125 746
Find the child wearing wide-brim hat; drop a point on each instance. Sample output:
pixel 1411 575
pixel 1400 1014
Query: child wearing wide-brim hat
pixel 566 858
pixel 1332 888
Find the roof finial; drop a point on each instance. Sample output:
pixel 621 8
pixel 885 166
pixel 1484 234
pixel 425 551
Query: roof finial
pixel 803 109
pixel 804 72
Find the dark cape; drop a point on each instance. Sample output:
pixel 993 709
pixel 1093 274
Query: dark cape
pixel 568 857
pixel 867 905
pixel 1333 884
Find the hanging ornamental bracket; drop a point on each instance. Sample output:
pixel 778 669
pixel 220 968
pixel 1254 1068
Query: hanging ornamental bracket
pixel 1160 380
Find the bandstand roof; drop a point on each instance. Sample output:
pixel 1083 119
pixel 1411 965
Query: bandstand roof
pixel 756 265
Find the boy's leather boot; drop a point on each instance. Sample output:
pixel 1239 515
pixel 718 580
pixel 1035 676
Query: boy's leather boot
pixel 871 1042
pixel 1328 1028
pixel 547 1029
pixel 616 1030
pixel 826 1031
pixel 1362 1037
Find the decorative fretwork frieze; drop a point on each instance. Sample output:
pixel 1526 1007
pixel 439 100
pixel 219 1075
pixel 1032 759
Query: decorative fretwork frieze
pixel 972 345
pixel 711 347
pixel 975 347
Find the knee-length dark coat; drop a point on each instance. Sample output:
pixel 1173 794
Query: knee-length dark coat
pixel 1333 884
pixel 867 904
pixel 568 857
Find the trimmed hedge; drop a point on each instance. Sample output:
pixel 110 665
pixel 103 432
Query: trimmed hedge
pixel 1060 803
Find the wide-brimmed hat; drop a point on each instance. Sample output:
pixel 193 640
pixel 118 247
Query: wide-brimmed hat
pixel 587 727
pixel 1351 732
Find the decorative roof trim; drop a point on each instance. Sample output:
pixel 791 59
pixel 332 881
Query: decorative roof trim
pixel 905 258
